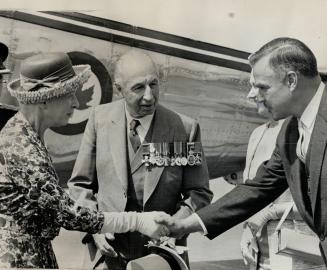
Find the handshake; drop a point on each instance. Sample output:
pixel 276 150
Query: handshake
pixel 159 224
pixel 153 224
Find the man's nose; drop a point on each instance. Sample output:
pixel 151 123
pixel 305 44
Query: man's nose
pixel 75 103
pixel 253 94
pixel 148 95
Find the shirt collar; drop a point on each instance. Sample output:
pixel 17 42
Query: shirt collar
pixel 308 117
pixel 145 121
pixel 271 123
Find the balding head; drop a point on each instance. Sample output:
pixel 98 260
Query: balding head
pixel 137 80
pixel 133 63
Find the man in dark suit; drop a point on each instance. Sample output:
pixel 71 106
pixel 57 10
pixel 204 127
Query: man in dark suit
pixel 285 73
pixel 109 173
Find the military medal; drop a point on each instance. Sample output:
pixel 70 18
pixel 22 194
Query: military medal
pixel 172 154
pixel 183 156
pixel 146 154
pixel 172 161
pixel 165 154
pixel 158 159
pixel 178 148
pixel 191 160
pixel 183 161
pixel 198 151
pixel 152 154
pixel 178 161
pixel 194 153
pixel 198 159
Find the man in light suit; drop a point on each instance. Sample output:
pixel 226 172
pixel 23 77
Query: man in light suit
pixel 284 71
pixel 109 173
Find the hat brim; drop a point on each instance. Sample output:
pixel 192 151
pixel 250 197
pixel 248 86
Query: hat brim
pixel 82 74
pixel 169 251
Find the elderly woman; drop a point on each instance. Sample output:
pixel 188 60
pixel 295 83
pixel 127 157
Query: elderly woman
pixel 33 207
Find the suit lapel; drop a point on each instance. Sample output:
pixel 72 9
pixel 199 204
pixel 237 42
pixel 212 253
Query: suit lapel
pixel 117 135
pixel 137 160
pixel 295 168
pixel 162 132
pixel 291 137
pixel 293 164
pixel 318 147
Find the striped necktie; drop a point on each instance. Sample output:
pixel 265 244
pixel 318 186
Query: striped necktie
pixel 133 135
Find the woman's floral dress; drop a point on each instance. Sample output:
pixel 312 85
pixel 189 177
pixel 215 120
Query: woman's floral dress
pixel 33 206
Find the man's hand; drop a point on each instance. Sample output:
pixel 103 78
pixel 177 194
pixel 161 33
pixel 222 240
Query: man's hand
pixel 174 225
pixel 146 224
pixel 102 243
pixel 249 247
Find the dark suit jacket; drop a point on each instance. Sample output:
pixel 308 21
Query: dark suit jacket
pixel 274 176
pixel 100 175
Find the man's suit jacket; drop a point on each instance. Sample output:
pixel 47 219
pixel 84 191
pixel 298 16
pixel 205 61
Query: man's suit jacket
pixel 100 175
pixel 274 176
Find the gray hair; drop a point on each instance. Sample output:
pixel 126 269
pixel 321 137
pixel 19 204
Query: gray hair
pixel 288 54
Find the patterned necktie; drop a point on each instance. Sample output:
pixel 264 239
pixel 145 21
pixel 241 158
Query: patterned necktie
pixel 133 135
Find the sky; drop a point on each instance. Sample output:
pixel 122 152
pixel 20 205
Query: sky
pixel 237 24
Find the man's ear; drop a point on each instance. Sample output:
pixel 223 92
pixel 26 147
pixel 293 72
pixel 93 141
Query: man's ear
pixel 291 80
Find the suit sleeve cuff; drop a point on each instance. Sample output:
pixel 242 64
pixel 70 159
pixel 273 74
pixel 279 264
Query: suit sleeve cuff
pixel 204 229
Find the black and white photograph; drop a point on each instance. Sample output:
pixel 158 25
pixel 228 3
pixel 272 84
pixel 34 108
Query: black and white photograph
pixel 163 135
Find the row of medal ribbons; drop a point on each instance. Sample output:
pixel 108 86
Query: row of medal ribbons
pixel 172 154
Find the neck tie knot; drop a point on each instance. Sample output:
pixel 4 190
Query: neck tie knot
pixel 133 135
pixel 133 126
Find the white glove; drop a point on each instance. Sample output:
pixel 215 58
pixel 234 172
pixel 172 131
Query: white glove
pixel 257 221
pixel 121 222
pixel 249 247
pixel 146 225
pixel 102 241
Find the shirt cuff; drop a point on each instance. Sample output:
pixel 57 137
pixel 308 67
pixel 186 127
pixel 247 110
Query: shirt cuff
pixel 204 229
